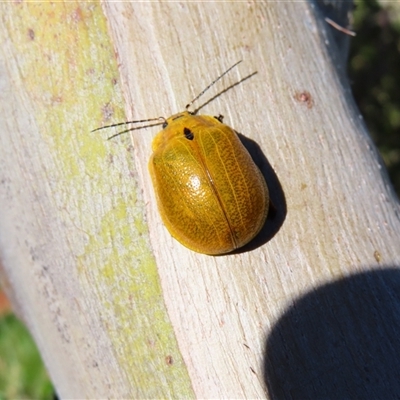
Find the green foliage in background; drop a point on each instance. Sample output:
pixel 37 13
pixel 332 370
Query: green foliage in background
pixel 22 374
pixel 374 71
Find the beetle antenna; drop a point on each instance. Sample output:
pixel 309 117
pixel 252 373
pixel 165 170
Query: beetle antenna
pixel 211 84
pixel 133 129
pixel 132 122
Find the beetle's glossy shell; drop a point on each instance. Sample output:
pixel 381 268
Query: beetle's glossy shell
pixel 211 196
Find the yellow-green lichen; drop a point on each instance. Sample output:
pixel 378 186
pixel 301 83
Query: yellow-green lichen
pixel 67 67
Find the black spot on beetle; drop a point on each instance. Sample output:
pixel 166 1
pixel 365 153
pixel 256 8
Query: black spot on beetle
pixel 188 134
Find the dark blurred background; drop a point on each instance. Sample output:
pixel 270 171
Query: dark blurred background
pixel 374 73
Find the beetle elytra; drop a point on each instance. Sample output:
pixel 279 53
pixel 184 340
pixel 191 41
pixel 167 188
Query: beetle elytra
pixel 211 196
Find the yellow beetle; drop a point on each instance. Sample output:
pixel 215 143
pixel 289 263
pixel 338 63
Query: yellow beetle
pixel 211 196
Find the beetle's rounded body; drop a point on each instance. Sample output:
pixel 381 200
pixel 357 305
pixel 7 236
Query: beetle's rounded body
pixel 211 195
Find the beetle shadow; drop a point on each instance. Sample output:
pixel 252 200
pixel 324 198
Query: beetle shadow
pixel 277 202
